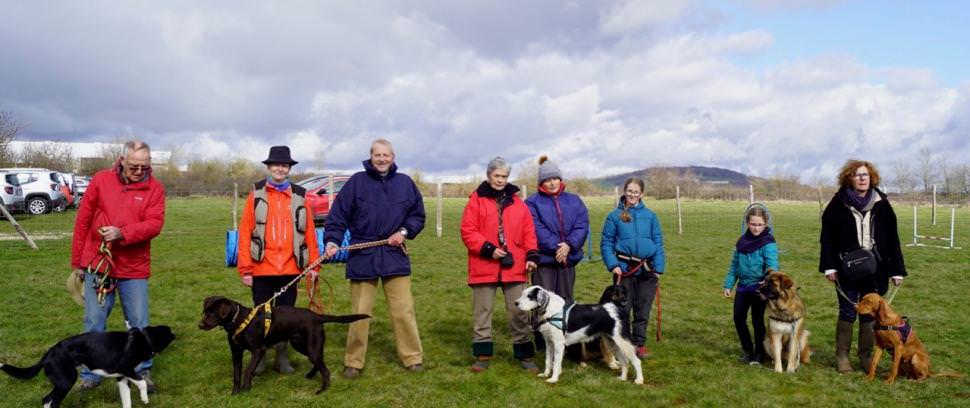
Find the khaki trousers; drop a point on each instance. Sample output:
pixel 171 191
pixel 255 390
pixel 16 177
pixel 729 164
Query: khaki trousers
pixel 483 303
pixel 397 292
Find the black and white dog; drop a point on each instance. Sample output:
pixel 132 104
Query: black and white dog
pixel 562 325
pixel 110 354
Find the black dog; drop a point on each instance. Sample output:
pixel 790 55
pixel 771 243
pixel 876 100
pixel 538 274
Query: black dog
pixel 617 295
pixel 111 354
pixel 301 327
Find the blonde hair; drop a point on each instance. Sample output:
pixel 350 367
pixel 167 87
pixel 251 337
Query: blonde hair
pixel 625 213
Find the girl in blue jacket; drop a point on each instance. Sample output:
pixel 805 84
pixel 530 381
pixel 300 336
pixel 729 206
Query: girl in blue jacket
pixel 633 250
pixel 754 254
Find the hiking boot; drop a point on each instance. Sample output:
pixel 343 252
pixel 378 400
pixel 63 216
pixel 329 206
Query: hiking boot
pixel 480 364
pixel 282 359
pixel 643 352
pixel 529 365
pixel 86 384
pixel 147 376
pixel 351 373
pixel 261 366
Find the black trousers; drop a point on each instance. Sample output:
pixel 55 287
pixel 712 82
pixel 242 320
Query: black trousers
pixel 642 289
pixel 742 303
pixel 264 287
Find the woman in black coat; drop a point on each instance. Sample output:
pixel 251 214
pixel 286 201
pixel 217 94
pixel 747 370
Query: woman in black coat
pixel 859 216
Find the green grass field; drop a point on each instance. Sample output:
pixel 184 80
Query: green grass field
pixel 694 365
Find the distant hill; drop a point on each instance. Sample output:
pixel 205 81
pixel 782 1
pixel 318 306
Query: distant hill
pixel 712 175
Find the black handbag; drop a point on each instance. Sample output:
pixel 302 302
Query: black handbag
pixel 860 263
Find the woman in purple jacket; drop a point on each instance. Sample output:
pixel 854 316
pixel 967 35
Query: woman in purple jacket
pixel 562 225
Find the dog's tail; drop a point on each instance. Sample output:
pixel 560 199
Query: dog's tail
pixel 947 373
pixel 23 373
pixel 342 319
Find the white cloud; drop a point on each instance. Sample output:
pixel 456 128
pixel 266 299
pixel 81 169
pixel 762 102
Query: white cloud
pixel 599 87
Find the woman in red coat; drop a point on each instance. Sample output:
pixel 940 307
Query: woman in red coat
pixel 497 229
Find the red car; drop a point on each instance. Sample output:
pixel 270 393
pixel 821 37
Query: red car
pixel 318 194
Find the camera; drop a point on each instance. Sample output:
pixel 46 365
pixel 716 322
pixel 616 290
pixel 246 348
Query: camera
pixel 507 261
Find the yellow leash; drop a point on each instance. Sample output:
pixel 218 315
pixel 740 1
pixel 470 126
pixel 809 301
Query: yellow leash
pixel 268 318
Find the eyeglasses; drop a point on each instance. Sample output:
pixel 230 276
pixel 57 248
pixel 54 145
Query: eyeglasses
pixel 861 176
pixel 138 168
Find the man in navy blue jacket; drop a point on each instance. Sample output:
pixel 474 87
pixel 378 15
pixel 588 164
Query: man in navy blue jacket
pixel 379 203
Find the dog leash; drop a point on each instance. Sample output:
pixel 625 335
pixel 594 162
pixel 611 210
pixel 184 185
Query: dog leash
pixel 266 305
pixel 103 282
pixel 892 294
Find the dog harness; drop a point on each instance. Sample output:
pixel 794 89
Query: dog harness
pixel 267 320
pixel 904 329
pixel 559 319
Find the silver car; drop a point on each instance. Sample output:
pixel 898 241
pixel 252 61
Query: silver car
pixel 11 195
pixel 41 188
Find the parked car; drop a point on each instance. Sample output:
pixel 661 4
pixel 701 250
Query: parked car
pixel 82 186
pixel 318 194
pixel 41 189
pixel 11 194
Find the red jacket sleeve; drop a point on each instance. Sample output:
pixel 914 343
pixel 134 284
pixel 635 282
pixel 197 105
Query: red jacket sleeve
pixel 82 223
pixel 471 230
pixel 151 225
pixel 244 262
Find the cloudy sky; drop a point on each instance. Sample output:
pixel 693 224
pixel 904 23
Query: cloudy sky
pixel 767 87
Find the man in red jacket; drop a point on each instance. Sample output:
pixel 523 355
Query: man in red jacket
pixel 124 207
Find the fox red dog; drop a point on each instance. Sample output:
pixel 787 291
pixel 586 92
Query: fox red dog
pixel 301 327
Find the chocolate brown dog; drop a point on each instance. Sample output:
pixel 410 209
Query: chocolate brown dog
pixel 301 327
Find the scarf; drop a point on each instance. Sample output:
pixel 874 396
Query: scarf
pixel 279 187
pixel 850 198
pixel 749 242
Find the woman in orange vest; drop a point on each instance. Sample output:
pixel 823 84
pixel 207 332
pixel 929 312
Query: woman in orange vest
pixel 276 239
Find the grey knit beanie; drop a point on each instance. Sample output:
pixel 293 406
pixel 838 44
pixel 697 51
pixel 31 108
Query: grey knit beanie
pixel 548 170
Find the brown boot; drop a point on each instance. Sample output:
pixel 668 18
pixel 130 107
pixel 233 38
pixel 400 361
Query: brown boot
pixel 480 364
pixel 867 339
pixel 843 341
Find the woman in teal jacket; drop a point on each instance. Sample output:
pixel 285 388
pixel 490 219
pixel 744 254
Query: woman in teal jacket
pixel 633 250
pixel 754 254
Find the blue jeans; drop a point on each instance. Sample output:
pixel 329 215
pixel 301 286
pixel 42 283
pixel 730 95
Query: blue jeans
pixel 134 304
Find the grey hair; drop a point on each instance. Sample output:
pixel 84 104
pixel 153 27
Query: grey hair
pixel 135 145
pixel 384 142
pixel 498 163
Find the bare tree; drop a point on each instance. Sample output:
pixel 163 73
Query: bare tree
pixel 49 155
pixel 903 177
pixel 927 169
pixel 9 128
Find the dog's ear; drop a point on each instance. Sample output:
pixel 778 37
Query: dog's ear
pixel 209 301
pixel 541 296
pixel 882 311
pixel 786 282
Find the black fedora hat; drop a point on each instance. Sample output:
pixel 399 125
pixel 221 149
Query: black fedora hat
pixel 280 154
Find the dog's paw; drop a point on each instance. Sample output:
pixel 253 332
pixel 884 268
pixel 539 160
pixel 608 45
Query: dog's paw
pixel 638 381
pixel 552 380
pixel 543 375
pixel 582 364
pixel 614 365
